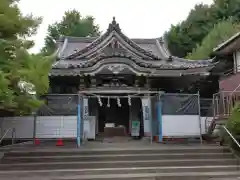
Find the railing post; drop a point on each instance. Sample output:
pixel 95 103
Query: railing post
pixel 213 105
pixel 223 102
pixel 13 135
pixel 34 126
pixel 159 117
pixel 199 117
pixel 217 106
pixel 78 122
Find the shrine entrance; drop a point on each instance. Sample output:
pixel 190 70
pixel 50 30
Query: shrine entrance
pixel 113 114
pixel 115 117
pixel 119 113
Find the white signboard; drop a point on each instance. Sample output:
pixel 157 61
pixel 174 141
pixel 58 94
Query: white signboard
pixel 90 127
pixel 135 128
pixel 85 108
pixel 146 114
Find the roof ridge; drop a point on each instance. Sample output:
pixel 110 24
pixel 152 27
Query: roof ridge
pixel 113 27
pixel 136 40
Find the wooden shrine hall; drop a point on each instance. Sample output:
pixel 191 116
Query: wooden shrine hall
pixel 113 69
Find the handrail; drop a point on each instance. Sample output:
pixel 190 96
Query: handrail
pixel 13 130
pixel 224 127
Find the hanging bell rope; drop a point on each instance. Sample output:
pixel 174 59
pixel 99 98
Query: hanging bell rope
pixel 108 103
pixel 100 101
pixel 119 102
pixel 129 101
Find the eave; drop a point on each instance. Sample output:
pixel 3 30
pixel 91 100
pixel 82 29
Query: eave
pixel 228 46
pixel 160 70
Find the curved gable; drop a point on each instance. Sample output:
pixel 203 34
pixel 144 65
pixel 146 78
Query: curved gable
pixel 113 33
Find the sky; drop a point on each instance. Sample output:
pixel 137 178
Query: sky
pixel 137 18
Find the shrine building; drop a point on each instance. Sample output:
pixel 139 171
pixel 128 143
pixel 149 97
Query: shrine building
pixel 117 77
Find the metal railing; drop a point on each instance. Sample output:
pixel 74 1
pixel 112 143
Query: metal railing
pixel 233 150
pixel 232 137
pixel 223 102
pixel 13 131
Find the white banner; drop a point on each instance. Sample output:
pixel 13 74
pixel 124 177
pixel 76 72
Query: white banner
pixel 146 115
pixel 85 108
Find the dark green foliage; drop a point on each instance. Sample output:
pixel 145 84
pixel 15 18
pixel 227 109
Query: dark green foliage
pixel 72 24
pixel 220 33
pixel 185 37
pixel 233 126
pixel 17 64
pixel 233 123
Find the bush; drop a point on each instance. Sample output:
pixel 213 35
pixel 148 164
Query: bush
pixel 233 125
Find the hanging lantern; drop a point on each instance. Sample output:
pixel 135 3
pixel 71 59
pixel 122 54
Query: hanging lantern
pixel 119 102
pixel 108 103
pixel 129 100
pixel 100 101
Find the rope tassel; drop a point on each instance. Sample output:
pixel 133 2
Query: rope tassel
pixel 100 101
pixel 119 102
pixel 129 101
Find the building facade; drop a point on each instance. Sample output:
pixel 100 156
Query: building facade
pixel 117 77
pixel 228 56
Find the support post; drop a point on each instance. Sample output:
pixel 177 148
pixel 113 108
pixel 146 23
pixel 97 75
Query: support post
pixel 159 116
pixel 150 116
pixel 199 117
pixel 79 123
pixel 34 126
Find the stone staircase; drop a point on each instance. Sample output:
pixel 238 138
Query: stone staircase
pixel 162 162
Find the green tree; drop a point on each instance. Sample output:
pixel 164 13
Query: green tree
pixel 16 63
pixel 220 33
pixel 185 37
pixel 223 9
pixel 233 125
pixel 72 24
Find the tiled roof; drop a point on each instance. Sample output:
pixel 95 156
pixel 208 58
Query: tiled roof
pixel 73 46
pixel 74 52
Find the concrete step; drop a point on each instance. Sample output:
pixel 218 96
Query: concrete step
pixel 145 176
pixel 117 164
pixel 132 170
pixel 156 176
pixel 122 157
pixel 169 162
pixel 75 151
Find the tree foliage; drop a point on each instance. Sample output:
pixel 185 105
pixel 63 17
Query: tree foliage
pixel 16 63
pixel 233 123
pixel 220 33
pixel 72 24
pixel 185 36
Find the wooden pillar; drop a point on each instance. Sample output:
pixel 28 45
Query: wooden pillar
pixel 147 83
pixel 81 83
pixel 93 81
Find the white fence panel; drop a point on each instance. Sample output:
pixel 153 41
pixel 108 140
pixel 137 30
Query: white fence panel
pixel 48 126
pixel 69 128
pixel 180 125
pixel 56 126
pixel 23 126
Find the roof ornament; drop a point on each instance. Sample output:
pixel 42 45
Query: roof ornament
pixel 170 58
pixel 115 68
pixel 114 25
